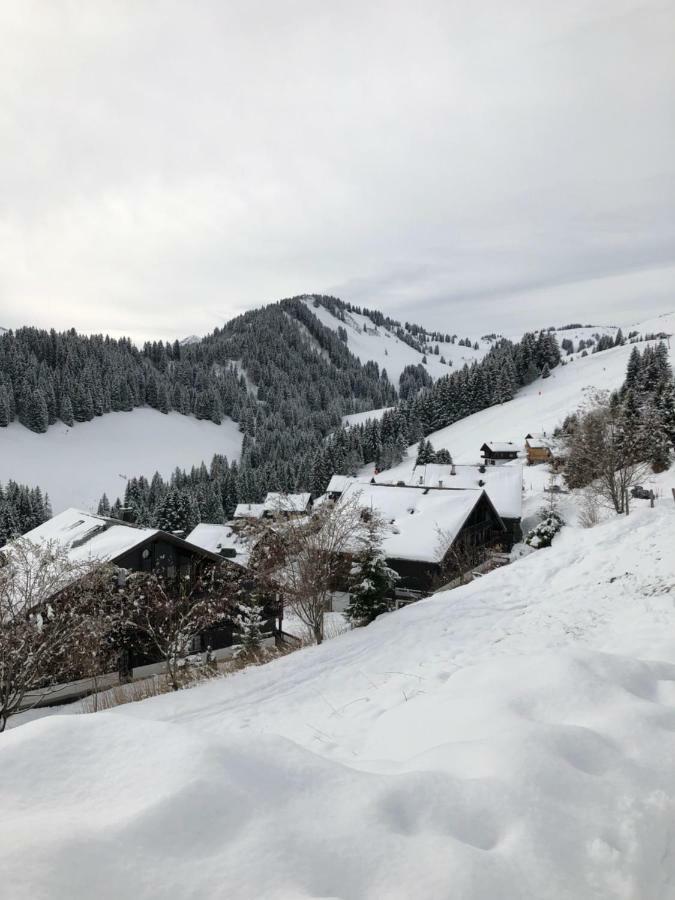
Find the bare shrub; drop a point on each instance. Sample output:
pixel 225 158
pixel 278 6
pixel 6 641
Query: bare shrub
pixel 302 556
pixel 589 508
pixel 37 632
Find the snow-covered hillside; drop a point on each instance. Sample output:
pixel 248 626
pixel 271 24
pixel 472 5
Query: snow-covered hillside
pixel 540 406
pixel 510 739
pixel 76 465
pixel 383 347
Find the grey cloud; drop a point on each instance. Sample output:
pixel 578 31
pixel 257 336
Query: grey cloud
pixel 165 167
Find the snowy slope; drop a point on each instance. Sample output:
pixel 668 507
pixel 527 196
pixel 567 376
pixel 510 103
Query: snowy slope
pixel 537 408
pixel 361 417
pixel 76 465
pixel 383 347
pixel 511 739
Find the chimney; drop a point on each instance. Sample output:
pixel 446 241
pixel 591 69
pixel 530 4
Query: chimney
pixel 453 470
pixel 440 482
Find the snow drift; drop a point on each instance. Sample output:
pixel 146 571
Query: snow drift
pixel 512 738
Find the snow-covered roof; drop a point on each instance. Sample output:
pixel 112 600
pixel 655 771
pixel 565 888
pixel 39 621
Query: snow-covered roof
pixel 338 483
pixel 501 446
pixel 215 537
pixel 421 523
pixel 249 510
pixel 275 502
pixel 502 484
pixel 538 444
pixel 89 537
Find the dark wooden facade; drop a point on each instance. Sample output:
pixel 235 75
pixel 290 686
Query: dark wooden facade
pixel 500 454
pixel 482 530
pixel 175 558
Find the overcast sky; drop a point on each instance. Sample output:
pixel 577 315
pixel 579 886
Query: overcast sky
pixel 164 166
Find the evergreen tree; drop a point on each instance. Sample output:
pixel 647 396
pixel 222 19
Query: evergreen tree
pixel 371 578
pixel 67 412
pixel 173 512
pixel 655 439
pixel 4 407
pixel 250 625
pixel 36 415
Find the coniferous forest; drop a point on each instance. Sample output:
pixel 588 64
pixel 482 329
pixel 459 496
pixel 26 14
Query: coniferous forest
pixel 281 374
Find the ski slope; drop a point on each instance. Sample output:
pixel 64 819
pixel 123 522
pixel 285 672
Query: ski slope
pixel 510 739
pixel 383 347
pixel 75 466
pixel 539 407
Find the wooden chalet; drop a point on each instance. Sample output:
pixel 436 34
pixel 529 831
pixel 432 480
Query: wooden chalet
pixel 538 450
pixel 131 548
pixel 498 452
pixel 431 536
pixel 502 484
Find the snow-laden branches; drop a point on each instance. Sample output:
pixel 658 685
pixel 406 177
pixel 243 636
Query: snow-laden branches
pixel 37 628
pixel 302 556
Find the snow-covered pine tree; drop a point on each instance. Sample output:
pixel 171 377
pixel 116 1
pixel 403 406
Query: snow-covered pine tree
pixel 654 439
pixel 250 625
pixel 67 411
pixel 371 579
pixel 4 407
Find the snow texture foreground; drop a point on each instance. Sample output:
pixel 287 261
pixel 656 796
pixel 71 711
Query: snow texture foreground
pixel 513 738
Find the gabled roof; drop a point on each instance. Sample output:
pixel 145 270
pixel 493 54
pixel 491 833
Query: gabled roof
pixel 538 444
pixel 249 510
pixel 216 537
pixel 502 484
pixel 338 483
pixel 500 446
pixel 420 524
pixel 88 537
pixel 275 502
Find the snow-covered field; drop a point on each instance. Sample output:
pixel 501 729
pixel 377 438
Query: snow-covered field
pixel 513 738
pixel 76 465
pixel 361 417
pixel 383 347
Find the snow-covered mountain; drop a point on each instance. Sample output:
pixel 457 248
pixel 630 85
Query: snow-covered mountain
pixel 542 405
pixel 190 339
pixel 369 341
